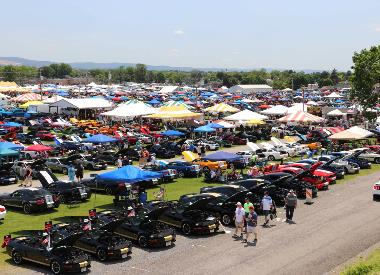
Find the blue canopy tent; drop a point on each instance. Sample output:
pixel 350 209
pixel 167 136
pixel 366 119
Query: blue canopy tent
pixel 4 152
pixel 129 174
pixel 154 101
pixel 11 124
pixel 223 156
pixel 215 125
pixel 100 138
pixel 204 129
pixel 10 145
pixel 173 133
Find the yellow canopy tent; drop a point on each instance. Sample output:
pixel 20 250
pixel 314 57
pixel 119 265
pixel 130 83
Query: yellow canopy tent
pixel 255 121
pixel 174 112
pixel 222 108
pixel 32 102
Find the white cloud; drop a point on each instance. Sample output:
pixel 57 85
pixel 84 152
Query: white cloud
pixel 178 32
pixel 174 52
pixel 377 29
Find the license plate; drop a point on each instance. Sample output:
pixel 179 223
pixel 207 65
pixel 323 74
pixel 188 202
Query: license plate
pixel 123 256
pixel 168 243
pixel 50 205
pixel 83 269
pixel 83 195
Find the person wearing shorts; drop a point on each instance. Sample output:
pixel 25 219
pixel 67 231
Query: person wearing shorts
pixel 251 225
pixel 266 205
pixel 239 220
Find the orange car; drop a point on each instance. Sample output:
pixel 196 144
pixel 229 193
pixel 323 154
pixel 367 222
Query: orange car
pixel 204 164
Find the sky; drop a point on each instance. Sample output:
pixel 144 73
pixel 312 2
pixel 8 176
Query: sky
pixel 282 34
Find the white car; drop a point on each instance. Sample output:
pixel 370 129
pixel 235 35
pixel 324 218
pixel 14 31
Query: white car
pixel 3 212
pixel 269 154
pixel 376 190
pixel 247 156
pixel 368 154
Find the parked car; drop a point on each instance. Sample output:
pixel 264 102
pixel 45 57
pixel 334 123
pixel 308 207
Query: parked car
pixel 227 190
pixel 185 169
pixel 376 190
pixel 142 228
pixel 349 167
pixel 60 258
pixel 207 165
pixel 56 165
pixel 187 217
pixel 109 187
pixel 66 191
pixel 88 162
pixel 45 135
pixel 101 243
pixel 161 152
pixel 167 174
pixel 368 154
pixel 8 177
pixel 30 200
pixel 354 157
pixel 3 212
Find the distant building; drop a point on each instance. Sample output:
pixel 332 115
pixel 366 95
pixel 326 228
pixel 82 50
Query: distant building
pixel 250 89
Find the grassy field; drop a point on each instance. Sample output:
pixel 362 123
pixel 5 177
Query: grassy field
pixel 369 265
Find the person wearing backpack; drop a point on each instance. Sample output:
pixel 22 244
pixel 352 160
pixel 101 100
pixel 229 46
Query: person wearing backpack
pixel 290 205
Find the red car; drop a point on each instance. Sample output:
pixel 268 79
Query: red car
pixel 327 175
pixel 45 135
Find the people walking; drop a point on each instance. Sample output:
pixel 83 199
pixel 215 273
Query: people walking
pixel 290 205
pixel 247 205
pixel 239 220
pixel 251 225
pixel 266 206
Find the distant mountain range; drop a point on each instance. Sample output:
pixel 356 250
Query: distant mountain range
pixel 18 61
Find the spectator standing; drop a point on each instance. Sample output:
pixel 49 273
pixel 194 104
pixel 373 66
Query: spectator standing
pixel 79 171
pixel 266 205
pixel 239 220
pixel 251 225
pixel 119 162
pixel 290 205
pixel 28 177
pixel 246 206
pixel 71 173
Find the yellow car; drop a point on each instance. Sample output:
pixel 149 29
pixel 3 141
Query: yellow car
pixel 206 165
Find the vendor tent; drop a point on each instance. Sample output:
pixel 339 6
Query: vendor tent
pixel 38 148
pixel 225 124
pixel 30 103
pixel 27 97
pixel 171 103
pixel 222 108
pixel 215 125
pixel 204 129
pixel 130 110
pixel 245 115
pixel 172 133
pixel 297 107
pixel 82 103
pixel 334 95
pixel 128 174
pixel 336 112
pixel 222 156
pixel 100 138
pixel 301 117
pixel 174 113
pixel 353 133
pixel 276 110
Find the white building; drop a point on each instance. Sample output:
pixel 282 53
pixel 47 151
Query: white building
pixel 250 89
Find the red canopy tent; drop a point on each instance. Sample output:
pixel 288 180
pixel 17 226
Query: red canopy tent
pixel 301 116
pixel 38 148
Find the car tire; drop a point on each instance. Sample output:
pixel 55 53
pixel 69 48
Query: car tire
pixel 90 167
pixel 143 242
pixel 271 158
pixel 377 160
pixel 55 267
pixel 17 258
pixel 181 174
pixel 63 200
pixel 101 254
pixel 206 169
pixel 65 171
pixel 186 229
pixel 26 208
pixel 207 147
pixel 108 190
pixel 226 219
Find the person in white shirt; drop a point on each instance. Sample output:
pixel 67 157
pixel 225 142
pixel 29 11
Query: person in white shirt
pixel 266 205
pixel 239 220
pixel 119 162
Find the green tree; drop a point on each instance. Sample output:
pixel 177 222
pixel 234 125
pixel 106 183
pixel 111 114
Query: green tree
pixel 334 77
pixel 140 73
pixel 48 72
pixel 366 77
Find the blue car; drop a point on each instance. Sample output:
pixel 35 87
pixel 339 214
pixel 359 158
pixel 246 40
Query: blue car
pixel 184 168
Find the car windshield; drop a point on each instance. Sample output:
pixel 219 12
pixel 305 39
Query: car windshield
pixel 39 192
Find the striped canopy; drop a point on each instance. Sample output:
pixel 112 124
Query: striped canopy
pixel 27 97
pixel 301 116
pixel 222 108
pixel 177 103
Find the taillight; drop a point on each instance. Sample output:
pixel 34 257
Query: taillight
pixel 40 201
pixel 376 187
pixel 2 209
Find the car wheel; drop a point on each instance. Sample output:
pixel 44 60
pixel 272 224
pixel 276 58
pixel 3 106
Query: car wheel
pixel 27 208
pixel 181 174
pixel 186 229
pixel 64 171
pixel 108 190
pixel 16 258
pixel 377 160
pixel 55 267
pixel 207 147
pixel 102 254
pixel 206 169
pixel 271 158
pixel 90 167
pixel 226 219
pixel 143 242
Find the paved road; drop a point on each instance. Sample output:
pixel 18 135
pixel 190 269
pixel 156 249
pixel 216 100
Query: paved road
pixel 340 224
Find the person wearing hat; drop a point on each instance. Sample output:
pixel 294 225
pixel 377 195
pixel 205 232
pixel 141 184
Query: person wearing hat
pixel 251 225
pixel 239 219
pixel 290 205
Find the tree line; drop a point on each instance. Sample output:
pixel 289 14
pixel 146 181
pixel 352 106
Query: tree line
pixel 277 79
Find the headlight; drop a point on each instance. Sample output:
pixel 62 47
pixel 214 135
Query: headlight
pixel 197 224
pixel 152 236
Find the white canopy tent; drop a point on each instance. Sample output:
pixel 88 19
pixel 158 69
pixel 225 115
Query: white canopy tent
pixel 82 103
pixel 245 115
pixel 130 110
pixel 276 110
pixel 336 112
pixel 353 133
pixel 334 95
pixel 297 107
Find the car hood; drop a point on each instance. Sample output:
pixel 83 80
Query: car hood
pixel 68 240
pixel 46 178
